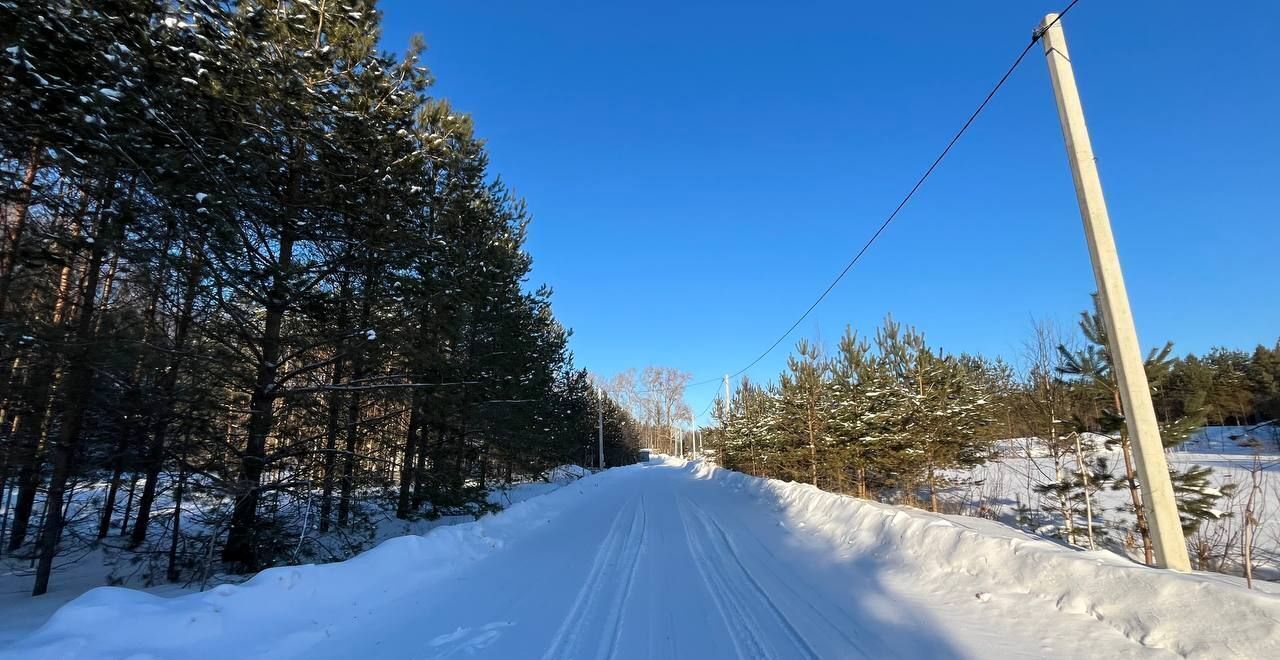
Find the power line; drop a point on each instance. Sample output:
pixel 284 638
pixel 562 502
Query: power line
pixel 1035 38
pixel 704 410
pixel 651 390
pixel 686 387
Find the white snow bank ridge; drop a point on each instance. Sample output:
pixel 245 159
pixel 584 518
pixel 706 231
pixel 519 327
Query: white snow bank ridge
pixel 281 611
pixel 1199 615
pixel 565 473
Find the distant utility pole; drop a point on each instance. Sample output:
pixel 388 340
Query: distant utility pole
pixel 600 423
pixel 726 398
pixel 1126 354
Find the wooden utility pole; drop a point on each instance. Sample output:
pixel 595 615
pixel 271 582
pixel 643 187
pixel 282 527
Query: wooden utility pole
pixel 1126 354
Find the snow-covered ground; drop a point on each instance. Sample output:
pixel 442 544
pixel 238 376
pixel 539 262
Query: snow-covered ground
pixel 998 488
pixel 106 564
pixel 673 559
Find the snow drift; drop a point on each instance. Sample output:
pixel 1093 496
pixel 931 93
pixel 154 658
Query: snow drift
pixel 1198 615
pixel 280 611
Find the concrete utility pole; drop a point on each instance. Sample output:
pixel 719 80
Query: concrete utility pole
pixel 600 423
pixel 1135 393
pixel 726 397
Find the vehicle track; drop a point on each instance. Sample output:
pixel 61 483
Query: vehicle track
pixel 834 624
pixel 743 603
pixel 588 618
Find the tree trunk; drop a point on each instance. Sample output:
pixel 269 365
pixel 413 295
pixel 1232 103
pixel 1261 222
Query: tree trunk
pixel 1088 499
pixel 456 479
pixel 15 226
pixel 128 503
pixel 349 462
pixel 1136 496
pixel 154 465
pixel 171 573
pixel 29 457
pixel 113 490
pixel 349 454
pixel 1134 492
pixel 410 450
pixel 335 400
pixel 331 440
pixel 167 391
pixel 118 459
pixel 5 492
pixel 813 452
pixel 79 383
pixel 421 479
pixel 31 422
pixel 933 491
pixel 12 368
pixel 1064 499
pixel 242 548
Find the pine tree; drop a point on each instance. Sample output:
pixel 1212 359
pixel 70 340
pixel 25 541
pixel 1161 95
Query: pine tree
pixel 804 409
pixel 242 243
pixel 1092 365
pixel 941 405
pixel 856 382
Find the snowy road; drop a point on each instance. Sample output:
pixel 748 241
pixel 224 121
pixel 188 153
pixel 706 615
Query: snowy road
pixel 655 562
pixel 672 560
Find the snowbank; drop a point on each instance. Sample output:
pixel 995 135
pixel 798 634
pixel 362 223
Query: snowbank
pixel 289 612
pixel 279 611
pixel 565 473
pixel 551 480
pixel 1199 615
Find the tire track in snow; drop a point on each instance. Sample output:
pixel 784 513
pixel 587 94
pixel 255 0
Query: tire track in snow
pixel 618 550
pixel 744 629
pixel 586 593
pixel 613 629
pixel 833 625
pixel 725 560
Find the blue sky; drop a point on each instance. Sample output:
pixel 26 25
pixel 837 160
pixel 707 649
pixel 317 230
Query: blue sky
pixel 699 170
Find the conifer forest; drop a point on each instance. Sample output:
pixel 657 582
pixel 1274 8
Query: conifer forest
pixel 249 259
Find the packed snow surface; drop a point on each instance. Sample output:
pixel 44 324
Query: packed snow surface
pixel 683 560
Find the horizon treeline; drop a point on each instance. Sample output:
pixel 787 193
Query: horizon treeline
pixel 247 258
